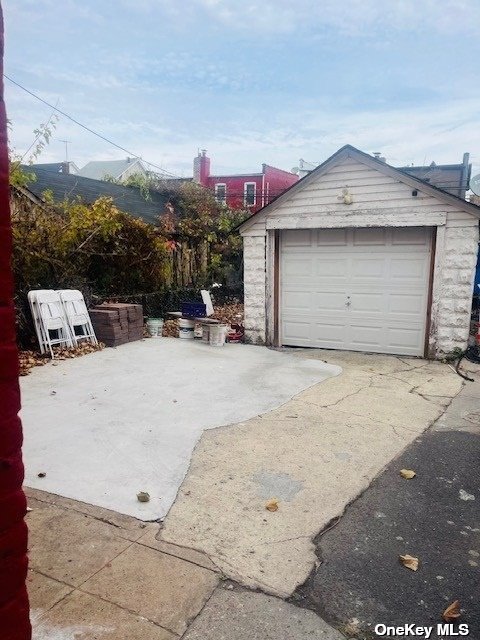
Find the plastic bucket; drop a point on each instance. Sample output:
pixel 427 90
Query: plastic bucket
pixel 217 335
pixel 186 329
pixel 198 331
pixel 206 333
pixel 155 327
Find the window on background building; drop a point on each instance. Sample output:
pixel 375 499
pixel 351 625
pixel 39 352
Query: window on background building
pixel 221 193
pixel 249 193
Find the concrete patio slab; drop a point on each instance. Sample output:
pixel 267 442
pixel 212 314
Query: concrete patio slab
pixel 108 425
pixel 315 454
pixel 138 592
pixel 69 546
pixel 44 593
pixel 157 586
pixel 81 615
pixel 240 615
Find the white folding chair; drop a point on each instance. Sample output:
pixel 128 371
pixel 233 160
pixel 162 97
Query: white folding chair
pixel 78 318
pixel 52 318
pixel 39 330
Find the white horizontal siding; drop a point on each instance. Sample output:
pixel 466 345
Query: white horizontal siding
pixel 373 194
pixel 368 188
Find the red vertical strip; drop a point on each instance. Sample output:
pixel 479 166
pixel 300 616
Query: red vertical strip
pixel 14 610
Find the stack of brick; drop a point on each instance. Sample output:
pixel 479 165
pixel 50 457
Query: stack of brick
pixel 117 323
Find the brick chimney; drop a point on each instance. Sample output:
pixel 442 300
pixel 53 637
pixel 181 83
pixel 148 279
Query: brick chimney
pixel 201 168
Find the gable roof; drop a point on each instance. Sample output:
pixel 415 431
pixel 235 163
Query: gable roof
pixel 452 178
pixel 69 186
pixel 57 167
pixel 348 151
pixel 99 169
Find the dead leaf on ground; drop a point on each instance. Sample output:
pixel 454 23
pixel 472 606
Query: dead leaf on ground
pixel 408 474
pixel 452 612
pixel 272 505
pixel 410 562
pixel 30 359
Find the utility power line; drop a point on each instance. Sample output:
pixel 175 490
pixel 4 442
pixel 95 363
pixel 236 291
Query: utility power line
pixel 95 133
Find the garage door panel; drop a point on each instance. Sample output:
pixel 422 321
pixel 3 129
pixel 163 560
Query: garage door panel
pixel 365 267
pixel 336 268
pixel 297 330
pixel 298 238
pixel 409 268
pixel 405 338
pixel 366 337
pixel 357 289
pixel 411 236
pixel 369 237
pixel 296 301
pixel 332 237
pixel 313 302
pixel 408 304
pixel 329 333
pixel 326 301
pixel 366 303
pixel 300 267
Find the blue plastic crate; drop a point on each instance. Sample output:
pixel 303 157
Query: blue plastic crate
pixel 193 309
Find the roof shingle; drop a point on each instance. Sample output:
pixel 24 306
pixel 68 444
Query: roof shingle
pixel 67 186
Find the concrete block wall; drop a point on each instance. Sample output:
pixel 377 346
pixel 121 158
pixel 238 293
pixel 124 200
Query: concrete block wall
pixel 456 277
pixel 254 265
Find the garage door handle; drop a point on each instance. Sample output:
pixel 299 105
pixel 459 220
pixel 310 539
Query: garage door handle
pixel 348 303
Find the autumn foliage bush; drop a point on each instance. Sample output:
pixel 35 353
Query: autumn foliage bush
pixel 107 253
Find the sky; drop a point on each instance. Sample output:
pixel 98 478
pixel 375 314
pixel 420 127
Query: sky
pixel 251 81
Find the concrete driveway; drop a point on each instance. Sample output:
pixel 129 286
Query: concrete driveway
pixel 315 455
pixel 108 425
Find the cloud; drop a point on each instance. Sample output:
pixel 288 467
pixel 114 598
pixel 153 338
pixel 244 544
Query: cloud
pixel 253 81
pixel 350 17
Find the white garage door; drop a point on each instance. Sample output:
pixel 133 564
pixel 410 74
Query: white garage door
pixel 355 289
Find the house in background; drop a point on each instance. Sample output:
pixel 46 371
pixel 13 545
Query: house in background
pixel 246 190
pixel 453 178
pixel 361 256
pixel 304 168
pixel 67 186
pixel 118 169
pixel 57 167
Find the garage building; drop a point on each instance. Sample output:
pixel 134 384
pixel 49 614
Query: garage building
pixel 361 256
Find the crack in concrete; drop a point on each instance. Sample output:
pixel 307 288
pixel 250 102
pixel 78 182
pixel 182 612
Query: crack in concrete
pixel 94 517
pixel 173 555
pixel 262 586
pixel 269 542
pixel 348 395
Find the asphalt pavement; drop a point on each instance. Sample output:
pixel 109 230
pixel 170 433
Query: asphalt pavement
pixel 434 517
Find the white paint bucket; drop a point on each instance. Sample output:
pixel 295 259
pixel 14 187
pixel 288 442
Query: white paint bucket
pixel 186 328
pixel 198 331
pixel 217 335
pixel 155 327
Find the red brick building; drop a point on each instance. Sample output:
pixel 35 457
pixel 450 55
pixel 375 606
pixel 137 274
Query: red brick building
pixel 249 190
